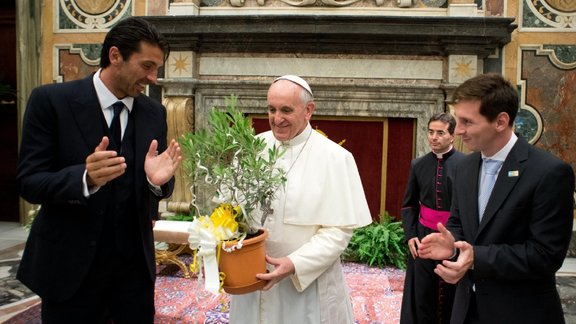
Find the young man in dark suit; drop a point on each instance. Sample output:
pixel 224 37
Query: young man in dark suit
pixel 510 242
pixel 99 175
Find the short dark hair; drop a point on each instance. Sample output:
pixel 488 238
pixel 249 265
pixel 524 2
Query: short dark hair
pixel 127 34
pixel 495 94
pixel 446 118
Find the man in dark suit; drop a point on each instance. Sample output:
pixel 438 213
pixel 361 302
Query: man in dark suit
pixel 508 254
pixel 99 177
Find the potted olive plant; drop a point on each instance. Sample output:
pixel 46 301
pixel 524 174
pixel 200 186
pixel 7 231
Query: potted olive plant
pixel 230 163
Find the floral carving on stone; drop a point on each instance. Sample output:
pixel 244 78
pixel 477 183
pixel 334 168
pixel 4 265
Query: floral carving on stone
pixel 308 3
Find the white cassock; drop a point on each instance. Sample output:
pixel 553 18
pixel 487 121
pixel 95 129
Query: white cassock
pixel 314 215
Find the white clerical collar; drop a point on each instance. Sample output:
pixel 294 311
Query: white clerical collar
pixel 440 155
pixel 106 97
pixel 300 138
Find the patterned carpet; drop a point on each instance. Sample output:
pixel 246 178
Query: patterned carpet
pixel 376 298
pixel 13 291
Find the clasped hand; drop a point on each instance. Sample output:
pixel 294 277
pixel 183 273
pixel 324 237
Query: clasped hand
pixel 104 165
pixel 283 267
pixel 441 246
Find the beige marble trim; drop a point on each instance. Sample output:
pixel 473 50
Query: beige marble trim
pixel 336 68
pixel 350 11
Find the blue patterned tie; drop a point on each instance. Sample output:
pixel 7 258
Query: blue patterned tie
pixel 490 173
pixel 115 126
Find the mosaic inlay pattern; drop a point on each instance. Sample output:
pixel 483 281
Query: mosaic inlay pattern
pixel 562 55
pixel 461 67
pixel 549 14
pixel 528 124
pixel 179 65
pixel 91 15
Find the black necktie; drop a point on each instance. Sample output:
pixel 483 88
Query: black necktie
pixel 115 126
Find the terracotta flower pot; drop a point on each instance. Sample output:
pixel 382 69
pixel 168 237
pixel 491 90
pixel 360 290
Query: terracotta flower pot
pixel 242 265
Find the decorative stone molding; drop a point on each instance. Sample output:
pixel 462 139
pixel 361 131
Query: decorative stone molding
pixel 90 16
pixel 394 35
pixel 180 115
pixel 326 3
pixel 461 68
pixel 357 99
pixel 539 15
pixel 330 3
pixel 561 56
pixel 180 64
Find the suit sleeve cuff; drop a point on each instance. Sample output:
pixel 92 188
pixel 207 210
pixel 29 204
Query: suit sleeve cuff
pixel 157 190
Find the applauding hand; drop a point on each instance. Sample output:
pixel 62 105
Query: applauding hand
pixel 437 246
pixel 160 168
pixel 451 271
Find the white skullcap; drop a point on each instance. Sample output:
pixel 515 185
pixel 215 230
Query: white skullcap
pixel 296 79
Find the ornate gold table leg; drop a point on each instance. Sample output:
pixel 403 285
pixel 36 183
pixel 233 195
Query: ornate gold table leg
pixel 170 255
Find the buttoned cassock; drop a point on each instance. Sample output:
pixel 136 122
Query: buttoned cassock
pixel 426 298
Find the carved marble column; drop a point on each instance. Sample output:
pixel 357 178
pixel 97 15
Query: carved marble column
pixel 178 88
pixel 179 110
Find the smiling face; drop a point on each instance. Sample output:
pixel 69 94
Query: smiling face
pixel 479 134
pixel 129 77
pixel 439 138
pixel 288 114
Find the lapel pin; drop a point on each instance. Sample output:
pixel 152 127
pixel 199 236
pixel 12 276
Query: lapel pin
pixel 513 173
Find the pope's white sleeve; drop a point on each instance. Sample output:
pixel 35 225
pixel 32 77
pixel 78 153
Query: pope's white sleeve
pixel 318 254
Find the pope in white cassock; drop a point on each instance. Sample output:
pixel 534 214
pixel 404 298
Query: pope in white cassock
pixel 312 221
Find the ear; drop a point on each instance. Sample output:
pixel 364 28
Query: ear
pixel 502 121
pixel 310 109
pixel 114 55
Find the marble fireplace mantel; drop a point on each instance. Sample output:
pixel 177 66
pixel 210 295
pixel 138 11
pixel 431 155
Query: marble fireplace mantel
pixel 324 34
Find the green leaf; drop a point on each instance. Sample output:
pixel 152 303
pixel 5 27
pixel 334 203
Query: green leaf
pixel 229 154
pixel 378 244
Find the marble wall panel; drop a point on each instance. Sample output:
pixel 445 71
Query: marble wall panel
pixel 552 92
pixel 71 66
pixel 494 8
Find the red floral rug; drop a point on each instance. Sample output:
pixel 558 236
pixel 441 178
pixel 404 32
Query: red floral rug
pixel 376 298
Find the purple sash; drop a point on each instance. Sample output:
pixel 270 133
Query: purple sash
pixel 430 217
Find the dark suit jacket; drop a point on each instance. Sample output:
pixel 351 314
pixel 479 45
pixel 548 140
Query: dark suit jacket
pixel 522 239
pixel 63 124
